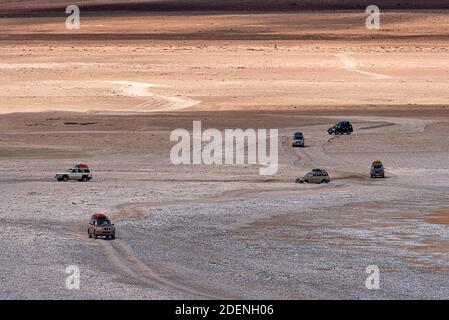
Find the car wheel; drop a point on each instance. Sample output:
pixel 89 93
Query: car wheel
pixel 84 179
pixel 112 237
pixel 88 233
pixel 306 181
pixel 324 181
pixel 95 235
pixel 65 178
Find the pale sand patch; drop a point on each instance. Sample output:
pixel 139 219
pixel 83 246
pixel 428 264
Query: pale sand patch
pixel 137 89
pixel 140 89
pixel 53 65
pixel 90 96
pixel 351 65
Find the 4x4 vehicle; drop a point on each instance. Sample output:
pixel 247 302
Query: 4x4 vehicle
pixel 341 127
pixel 315 176
pixel 298 140
pixel 79 172
pixel 100 226
pixel 377 169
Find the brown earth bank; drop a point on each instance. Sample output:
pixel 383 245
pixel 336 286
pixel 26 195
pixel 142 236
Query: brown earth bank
pixel 402 27
pixel 439 217
pixel 33 6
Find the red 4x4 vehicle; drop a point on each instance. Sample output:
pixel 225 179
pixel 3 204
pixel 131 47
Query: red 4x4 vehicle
pixel 100 226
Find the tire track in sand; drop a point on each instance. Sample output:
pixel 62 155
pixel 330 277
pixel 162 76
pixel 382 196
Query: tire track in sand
pixel 121 256
pixel 153 102
pixel 350 65
pixel 126 260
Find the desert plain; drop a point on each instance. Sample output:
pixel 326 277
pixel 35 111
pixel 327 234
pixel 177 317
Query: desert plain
pixel 110 94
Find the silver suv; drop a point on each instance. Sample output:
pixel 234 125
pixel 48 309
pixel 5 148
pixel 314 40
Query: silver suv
pixel 298 140
pixel 79 174
pixel 315 176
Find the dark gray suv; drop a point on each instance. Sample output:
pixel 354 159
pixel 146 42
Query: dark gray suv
pixel 298 140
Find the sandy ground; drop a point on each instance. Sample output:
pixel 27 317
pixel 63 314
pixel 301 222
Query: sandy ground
pixel 111 93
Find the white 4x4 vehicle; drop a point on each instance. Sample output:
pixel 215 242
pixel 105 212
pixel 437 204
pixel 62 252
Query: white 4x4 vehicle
pixel 79 173
pixel 315 176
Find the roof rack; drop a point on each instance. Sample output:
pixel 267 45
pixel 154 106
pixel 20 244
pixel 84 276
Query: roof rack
pixel 99 216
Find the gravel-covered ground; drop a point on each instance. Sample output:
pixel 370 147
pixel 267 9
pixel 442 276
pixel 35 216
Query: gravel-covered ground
pixel 224 231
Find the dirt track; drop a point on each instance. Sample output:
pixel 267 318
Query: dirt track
pixel 224 231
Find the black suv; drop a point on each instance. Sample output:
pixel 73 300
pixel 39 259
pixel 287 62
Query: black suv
pixel 341 128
